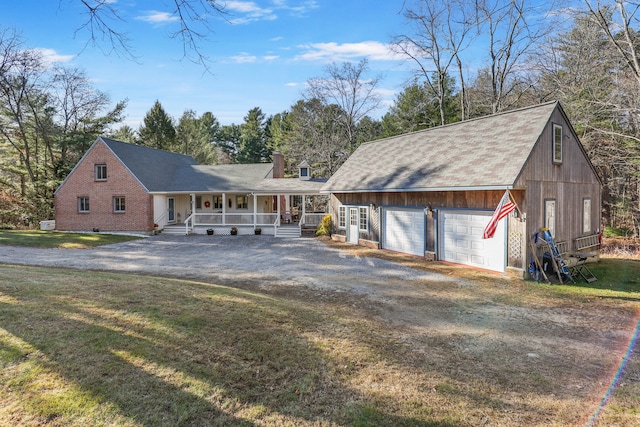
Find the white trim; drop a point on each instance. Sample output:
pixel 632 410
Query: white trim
pixel 415 190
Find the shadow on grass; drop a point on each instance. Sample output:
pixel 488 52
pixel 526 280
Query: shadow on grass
pixel 166 352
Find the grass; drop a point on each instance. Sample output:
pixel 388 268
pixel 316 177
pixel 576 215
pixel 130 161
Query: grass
pixel 52 239
pixel 106 349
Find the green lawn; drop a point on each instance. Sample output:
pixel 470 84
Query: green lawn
pixel 616 278
pixel 53 239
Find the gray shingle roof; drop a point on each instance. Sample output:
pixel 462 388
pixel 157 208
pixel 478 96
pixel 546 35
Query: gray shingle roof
pixel 290 185
pixel 155 169
pixel 165 172
pixel 485 152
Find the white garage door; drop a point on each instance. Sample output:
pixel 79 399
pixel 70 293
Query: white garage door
pixel 404 230
pixel 460 240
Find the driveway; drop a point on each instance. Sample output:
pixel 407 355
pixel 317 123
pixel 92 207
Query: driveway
pixel 458 320
pixel 264 261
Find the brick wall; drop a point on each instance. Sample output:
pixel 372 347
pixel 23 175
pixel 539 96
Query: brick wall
pixel 138 215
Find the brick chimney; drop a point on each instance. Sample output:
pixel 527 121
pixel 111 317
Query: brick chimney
pixel 278 164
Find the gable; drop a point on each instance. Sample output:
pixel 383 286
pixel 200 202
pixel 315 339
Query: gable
pixel 484 153
pixel 575 165
pixel 155 169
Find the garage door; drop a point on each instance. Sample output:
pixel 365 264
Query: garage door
pixel 404 230
pixel 460 240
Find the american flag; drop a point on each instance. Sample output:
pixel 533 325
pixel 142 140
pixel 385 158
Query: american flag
pixel 505 207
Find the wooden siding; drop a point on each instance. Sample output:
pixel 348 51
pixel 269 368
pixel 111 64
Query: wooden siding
pixel 433 201
pixel 568 184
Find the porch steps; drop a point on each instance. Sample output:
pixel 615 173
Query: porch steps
pixel 174 230
pixel 288 232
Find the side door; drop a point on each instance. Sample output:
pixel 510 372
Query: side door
pixel 353 234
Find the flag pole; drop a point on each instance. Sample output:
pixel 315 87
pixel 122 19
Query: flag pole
pixel 515 203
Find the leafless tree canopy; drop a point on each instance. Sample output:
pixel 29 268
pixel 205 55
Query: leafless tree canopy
pixel 104 27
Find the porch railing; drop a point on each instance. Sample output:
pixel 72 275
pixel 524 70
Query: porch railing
pixel 311 219
pixel 230 219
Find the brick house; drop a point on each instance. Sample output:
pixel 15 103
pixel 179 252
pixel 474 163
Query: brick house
pixel 124 187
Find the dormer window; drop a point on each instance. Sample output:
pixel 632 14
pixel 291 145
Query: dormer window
pixel 557 144
pixel 304 171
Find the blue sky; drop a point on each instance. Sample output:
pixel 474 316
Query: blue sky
pixel 261 55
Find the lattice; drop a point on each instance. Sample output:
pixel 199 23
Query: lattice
pixel 515 247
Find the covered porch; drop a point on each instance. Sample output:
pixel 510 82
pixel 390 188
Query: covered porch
pixel 278 214
pixel 271 213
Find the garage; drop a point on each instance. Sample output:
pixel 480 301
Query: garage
pixel 461 242
pixel 404 230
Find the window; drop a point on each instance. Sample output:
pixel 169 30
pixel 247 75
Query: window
pixel 198 202
pixel 342 217
pixel 586 215
pixel 101 172
pixel 364 222
pixel 118 204
pixel 242 202
pixel 217 202
pixel 83 204
pixel 550 215
pixel 557 143
pixel 304 171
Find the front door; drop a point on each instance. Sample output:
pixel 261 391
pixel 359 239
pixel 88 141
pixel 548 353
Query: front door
pixel 353 233
pixel 172 210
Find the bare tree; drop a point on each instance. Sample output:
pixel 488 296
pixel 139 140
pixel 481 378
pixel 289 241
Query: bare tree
pixel 511 38
pixel 620 33
pixel 194 25
pixel 346 86
pixel 441 32
pixel 44 114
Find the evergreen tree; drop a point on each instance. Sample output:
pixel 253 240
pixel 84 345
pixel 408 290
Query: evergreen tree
pixel 418 107
pixel 158 130
pixel 227 143
pixel 195 136
pixel 253 144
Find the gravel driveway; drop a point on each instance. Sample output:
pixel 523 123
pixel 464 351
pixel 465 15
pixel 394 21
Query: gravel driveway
pixel 464 323
pixel 264 259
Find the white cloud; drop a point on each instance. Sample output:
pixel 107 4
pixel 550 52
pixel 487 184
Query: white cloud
pixel 244 58
pixel 50 56
pixel 250 12
pixel 270 57
pixel 292 84
pixel 156 17
pixel 333 51
pixel 300 9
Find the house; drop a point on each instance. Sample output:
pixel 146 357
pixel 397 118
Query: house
pixel 124 187
pixel 431 193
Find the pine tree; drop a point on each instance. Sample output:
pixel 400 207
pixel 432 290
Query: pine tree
pixel 158 130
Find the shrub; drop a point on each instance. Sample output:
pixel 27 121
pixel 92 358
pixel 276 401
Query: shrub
pixel 617 232
pixel 326 226
pixel 7 226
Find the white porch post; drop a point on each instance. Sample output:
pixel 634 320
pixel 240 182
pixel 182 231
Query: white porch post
pixel 255 210
pixel 193 209
pixel 224 208
pixel 278 205
pixel 304 204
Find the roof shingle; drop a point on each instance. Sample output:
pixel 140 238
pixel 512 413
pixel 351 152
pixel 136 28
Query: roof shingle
pixel 485 152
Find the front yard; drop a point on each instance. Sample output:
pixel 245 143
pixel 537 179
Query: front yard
pixel 453 348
